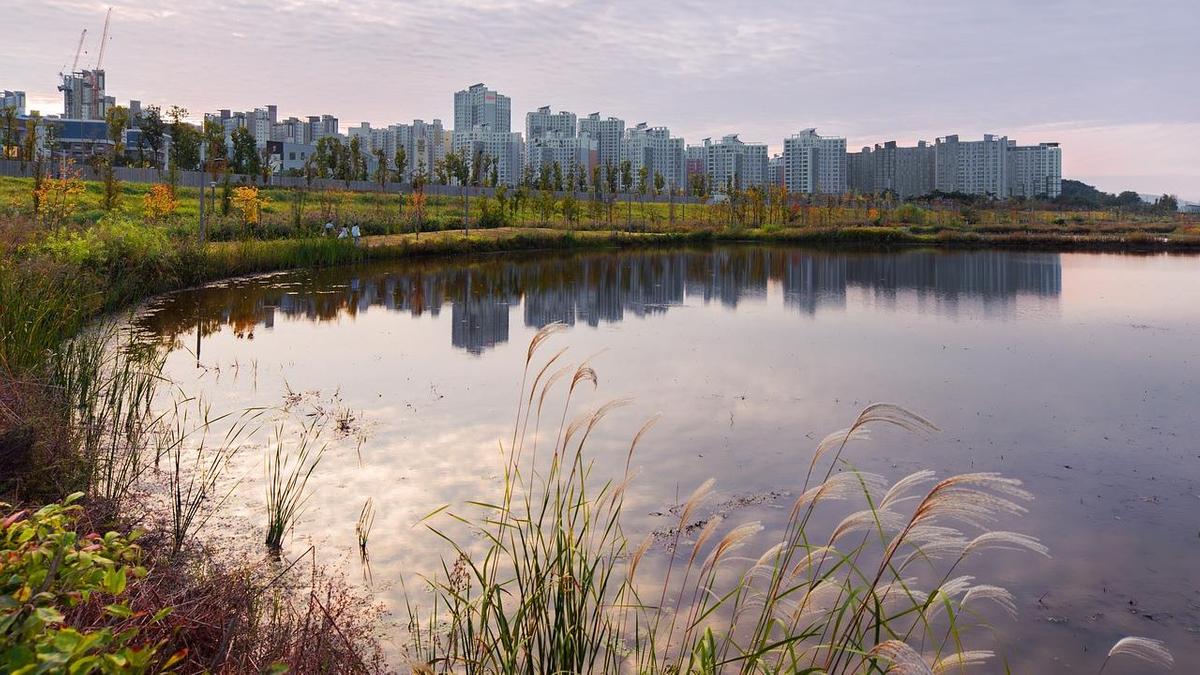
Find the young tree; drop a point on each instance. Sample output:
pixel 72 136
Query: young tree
pixel 643 184
pixel 214 148
pixel 245 154
pixel 626 187
pixel 558 177
pixel 401 163
pixel 381 168
pixel 153 134
pixel 116 121
pixel 9 144
pixel 358 166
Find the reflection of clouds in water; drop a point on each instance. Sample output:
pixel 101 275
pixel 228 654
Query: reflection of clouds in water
pixel 603 287
pixel 746 388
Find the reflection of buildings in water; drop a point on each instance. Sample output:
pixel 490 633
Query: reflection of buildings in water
pixel 479 316
pixel 604 287
pixel 992 277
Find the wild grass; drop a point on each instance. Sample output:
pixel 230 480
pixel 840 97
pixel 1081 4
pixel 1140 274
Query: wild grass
pixel 362 528
pixel 548 581
pixel 104 384
pixel 196 466
pixel 287 472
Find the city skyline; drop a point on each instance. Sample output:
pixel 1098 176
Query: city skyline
pixel 864 74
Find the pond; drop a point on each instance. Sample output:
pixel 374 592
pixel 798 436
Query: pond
pixel 1076 373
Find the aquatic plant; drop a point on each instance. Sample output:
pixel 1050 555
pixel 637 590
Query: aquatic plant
pixel 366 519
pixel 549 582
pixel 288 471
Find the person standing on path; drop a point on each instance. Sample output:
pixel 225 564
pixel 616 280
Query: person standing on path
pixel 357 234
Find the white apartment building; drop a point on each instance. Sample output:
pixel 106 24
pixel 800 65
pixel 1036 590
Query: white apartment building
pixel 814 164
pixel 732 162
pixel 423 142
pixel 573 154
pixel 261 122
pixel 505 147
pixel 609 134
pixel 655 149
pixel 424 146
pixel 906 172
pixel 1034 170
pixel 478 106
pixel 972 167
pixel 542 122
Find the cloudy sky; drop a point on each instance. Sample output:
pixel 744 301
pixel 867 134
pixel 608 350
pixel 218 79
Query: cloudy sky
pixel 1116 82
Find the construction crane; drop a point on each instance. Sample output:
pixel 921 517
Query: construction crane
pixel 103 40
pixel 78 51
pixel 97 98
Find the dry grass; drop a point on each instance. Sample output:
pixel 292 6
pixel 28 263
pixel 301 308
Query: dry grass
pixel 557 587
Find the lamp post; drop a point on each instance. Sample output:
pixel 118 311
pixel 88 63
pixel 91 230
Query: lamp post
pixel 200 184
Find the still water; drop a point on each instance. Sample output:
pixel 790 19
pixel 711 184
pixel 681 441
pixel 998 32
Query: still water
pixel 1076 373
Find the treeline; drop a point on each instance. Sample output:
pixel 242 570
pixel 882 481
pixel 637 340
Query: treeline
pixel 1079 194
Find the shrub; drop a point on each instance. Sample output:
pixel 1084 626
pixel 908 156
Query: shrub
pixel 159 202
pixel 910 214
pixel 47 570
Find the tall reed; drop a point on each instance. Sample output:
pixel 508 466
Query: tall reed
pixel 196 466
pixel 288 471
pixel 105 383
pixel 551 583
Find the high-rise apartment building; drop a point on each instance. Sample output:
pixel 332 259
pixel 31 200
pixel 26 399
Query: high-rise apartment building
pixel 14 100
pixel 574 155
pixel 654 149
pixel 889 168
pixel 609 134
pixel 814 164
pixel 730 162
pixel 424 146
pixel 972 167
pixel 478 106
pixel 504 147
pixel 542 122
pixel 695 157
pixel 1034 170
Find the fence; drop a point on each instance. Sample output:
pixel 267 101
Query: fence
pixel 15 168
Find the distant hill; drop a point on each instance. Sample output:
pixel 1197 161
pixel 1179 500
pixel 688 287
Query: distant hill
pixel 1081 195
pixel 1078 193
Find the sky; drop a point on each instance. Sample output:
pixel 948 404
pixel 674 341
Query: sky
pixel 1114 82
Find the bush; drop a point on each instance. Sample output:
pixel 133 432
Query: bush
pixel 910 213
pixel 47 570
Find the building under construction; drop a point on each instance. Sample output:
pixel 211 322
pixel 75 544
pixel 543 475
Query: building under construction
pixel 83 89
pixel 83 95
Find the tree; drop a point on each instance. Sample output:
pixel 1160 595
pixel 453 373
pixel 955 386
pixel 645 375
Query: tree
pixel 214 147
pixel 610 176
pixel 381 168
pixel 626 187
pixel 558 177
pixel 154 130
pixel 9 144
pixel 358 166
pixel 245 154
pixel 1167 204
pixel 116 120
pixel 459 169
pixel 643 184
pixel 401 163
pixel 185 142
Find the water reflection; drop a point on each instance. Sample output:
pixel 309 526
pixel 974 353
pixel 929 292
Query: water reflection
pixel 595 288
